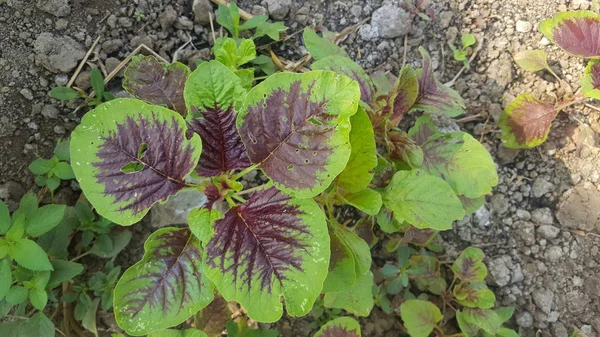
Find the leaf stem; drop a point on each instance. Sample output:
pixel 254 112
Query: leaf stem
pixel 250 190
pixel 230 201
pixel 244 172
pixel 578 98
pixel 80 256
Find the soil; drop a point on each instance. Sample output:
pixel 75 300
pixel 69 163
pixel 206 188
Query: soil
pixel 539 227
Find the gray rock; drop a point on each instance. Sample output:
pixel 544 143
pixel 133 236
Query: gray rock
pixel 542 216
pixel 523 26
pixel 579 209
pixel 482 217
pixel 183 22
pixel 499 271
pixel 57 8
pixel 391 21
pixel 278 9
pixel 57 54
pixel 175 210
pixel 523 215
pixel 526 231
pixel 499 204
pixel 517 274
pixel 111 64
pixel 26 93
pixel 506 155
pixel 50 111
pixel 548 232
pixel 368 32
pixel 83 80
pixel 167 18
pixel 202 10
pixel 61 24
pixel 111 46
pixel 11 192
pixel 544 299
pixel 559 330
pixel 541 186
pixel 553 253
pixel 524 319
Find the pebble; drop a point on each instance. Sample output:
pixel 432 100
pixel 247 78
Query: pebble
pixel 57 8
pixel 543 299
pixel 542 216
pixel 524 26
pixel 202 10
pixel 59 130
pixel 58 54
pixel 541 186
pixel 167 18
pixel 499 203
pixel 183 22
pixel 524 319
pixel 26 93
pixel 391 21
pixel 278 9
pixel 499 271
pixel 553 253
pixel 548 232
pixel 50 111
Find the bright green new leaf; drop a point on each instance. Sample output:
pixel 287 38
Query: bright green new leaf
pixel 254 22
pixel 367 200
pixel 423 200
pixel 97 83
pixel 52 183
pixel 531 60
pixel 166 287
pixel 44 219
pixel 4 218
pixel 319 47
pixel 38 298
pixel 469 265
pixel 63 271
pixel 486 319
pixel 420 317
pixel 269 29
pixel 340 327
pixel 16 295
pixel 178 333
pixel 125 131
pixel 29 255
pixel 43 166
pixel 201 222
pixel 590 83
pixel 474 295
pixel 5 277
pixel 63 93
pixel 357 300
pixel 345 66
pixel 228 52
pixel 468 40
pixel 358 172
pixel 350 258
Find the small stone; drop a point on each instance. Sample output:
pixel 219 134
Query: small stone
pixel 111 46
pixel 553 253
pixel 50 111
pixel 61 79
pixel 278 9
pixel 57 54
pixel 59 130
pixel 548 232
pixel 57 8
pixel 524 26
pixel 26 93
pixel 524 319
pixel 83 80
pixel 559 330
pixel 125 22
pixel 391 21
pixel 368 32
pixel 542 216
pixel 541 186
pixel 523 214
pixel 111 64
pixel 167 18
pixel 579 209
pixel 202 10
pixel 506 155
pixel 61 24
pixel 183 22
pixel 544 299
pixel 498 271
pixel 499 203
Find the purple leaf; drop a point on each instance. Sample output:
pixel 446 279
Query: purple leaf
pixel 128 155
pixel 271 245
pixel 296 128
pixel 166 287
pixel 526 122
pixel 149 80
pixel 340 327
pixel 435 97
pixel 345 66
pixel 576 32
pixel 211 92
pixel 402 96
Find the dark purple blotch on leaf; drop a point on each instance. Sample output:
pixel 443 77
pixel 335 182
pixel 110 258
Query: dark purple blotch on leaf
pixel 338 331
pixel 262 238
pixel 223 149
pixel 579 36
pixel 166 162
pixel 288 136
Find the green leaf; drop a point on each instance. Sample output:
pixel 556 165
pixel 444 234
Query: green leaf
pixel 474 295
pixel 590 83
pixel 319 47
pixel 526 122
pixel 42 166
pixel 468 329
pixel 345 66
pixel 201 222
pixel 350 258
pixel 98 156
pixel 358 172
pixel 178 333
pixel 38 325
pixel 38 298
pixel 485 319
pixel 254 22
pixel 56 241
pixel 5 221
pixel 16 295
pixel 469 265
pixel 63 271
pixel 52 183
pixel 402 96
pixel 28 204
pixel 420 317
pixel 468 40
pixel 166 287
pixel 356 300
pixel 269 29
pixel 308 146
pixel 61 150
pixel 64 171
pixel 505 313
pixel 118 241
pixel 423 200
pixel 97 83
pixel 44 219
pixel 5 277
pixel 29 255
pixel 340 327
pixel 461 161
pixel 531 60
pixel 265 64
pixel 471 205
pixel 367 200
pixel 228 52
pixel 89 319
pixel 64 93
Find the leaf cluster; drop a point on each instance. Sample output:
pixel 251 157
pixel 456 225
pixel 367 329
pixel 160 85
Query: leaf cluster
pixel 100 95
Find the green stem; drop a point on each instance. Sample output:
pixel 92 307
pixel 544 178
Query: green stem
pixel 79 256
pixel 230 201
pixel 244 172
pixel 250 190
